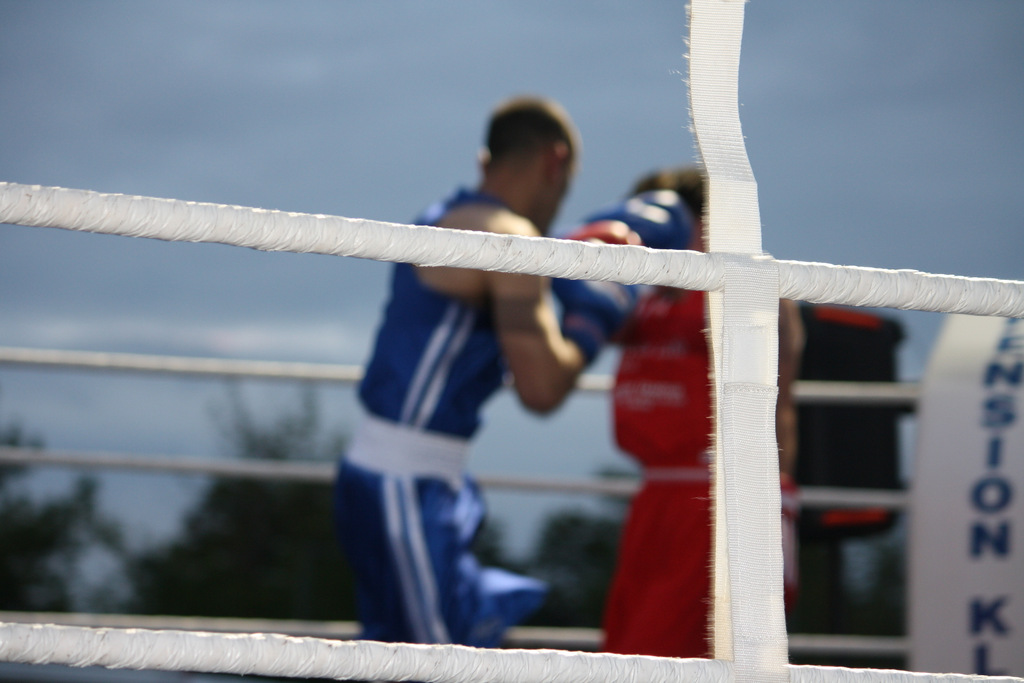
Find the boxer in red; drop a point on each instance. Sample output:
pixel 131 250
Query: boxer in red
pixel 660 599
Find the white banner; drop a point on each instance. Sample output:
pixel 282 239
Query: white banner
pixel 966 576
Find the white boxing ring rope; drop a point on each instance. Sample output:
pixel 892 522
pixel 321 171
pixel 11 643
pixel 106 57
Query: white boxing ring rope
pixel 278 655
pixel 268 230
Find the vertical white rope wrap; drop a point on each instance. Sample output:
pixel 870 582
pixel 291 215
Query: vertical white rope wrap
pixel 750 627
pixel 277 655
pixel 716 31
pixel 749 621
pixel 749 468
pixel 721 622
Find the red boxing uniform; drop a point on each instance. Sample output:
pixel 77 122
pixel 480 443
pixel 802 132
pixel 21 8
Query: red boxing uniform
pixel 660 600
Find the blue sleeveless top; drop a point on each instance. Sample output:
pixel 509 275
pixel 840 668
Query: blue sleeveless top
pixel 436 360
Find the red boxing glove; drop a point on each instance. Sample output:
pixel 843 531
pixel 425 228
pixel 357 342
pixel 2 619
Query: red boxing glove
pixel 606 232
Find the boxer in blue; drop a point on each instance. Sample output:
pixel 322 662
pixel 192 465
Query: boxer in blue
pixel 406 511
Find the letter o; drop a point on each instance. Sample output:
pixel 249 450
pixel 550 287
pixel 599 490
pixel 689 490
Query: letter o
pixel 992 494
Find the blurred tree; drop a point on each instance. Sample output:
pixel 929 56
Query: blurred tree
pixel 254 548
pixel 875 582
pixel 44 542
pixel 489 546
pixel 576 556
pixel 853 586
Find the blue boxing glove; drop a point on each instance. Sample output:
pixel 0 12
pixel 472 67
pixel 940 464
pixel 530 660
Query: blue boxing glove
pixel 593 311
pixel 660 218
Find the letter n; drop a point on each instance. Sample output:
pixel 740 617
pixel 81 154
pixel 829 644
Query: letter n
pixel 997 540
pixel 1011 374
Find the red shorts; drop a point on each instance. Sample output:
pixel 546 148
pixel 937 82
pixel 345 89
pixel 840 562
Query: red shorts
pixel 660 599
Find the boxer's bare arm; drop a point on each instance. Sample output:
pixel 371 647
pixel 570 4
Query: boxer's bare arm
pixel 544 365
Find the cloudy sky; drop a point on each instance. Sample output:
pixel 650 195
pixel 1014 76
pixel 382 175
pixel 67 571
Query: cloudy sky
pixel 881 134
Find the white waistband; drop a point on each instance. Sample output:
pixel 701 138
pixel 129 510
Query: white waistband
pixel 392 448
